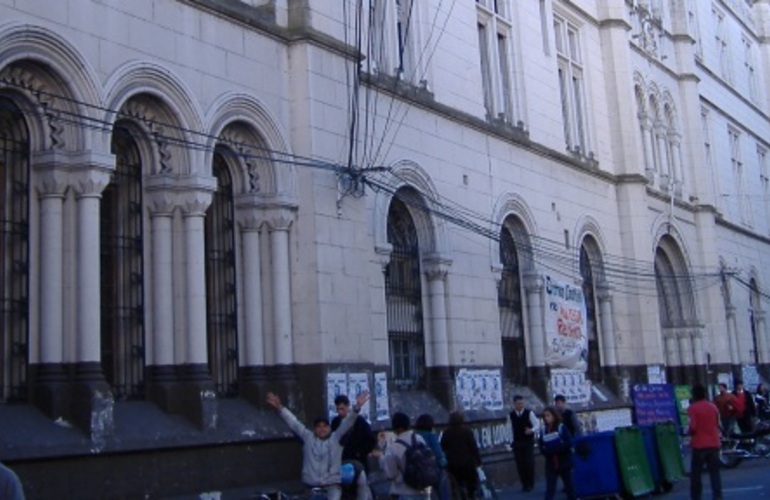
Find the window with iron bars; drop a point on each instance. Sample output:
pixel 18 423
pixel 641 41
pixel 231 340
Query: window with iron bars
pixel 403 295
pixel 509 301
pixel 14 252
pixel 122 270
pixel 594 371
pixel 221 296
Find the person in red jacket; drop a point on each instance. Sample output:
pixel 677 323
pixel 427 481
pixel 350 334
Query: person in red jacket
pixel 704 442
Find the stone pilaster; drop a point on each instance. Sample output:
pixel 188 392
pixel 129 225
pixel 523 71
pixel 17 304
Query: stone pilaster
pixel 439 375
pixel 50 391
pixel 92 400
pixel 199 402
pixel 162 381
pixel 253 375
pixel 538 374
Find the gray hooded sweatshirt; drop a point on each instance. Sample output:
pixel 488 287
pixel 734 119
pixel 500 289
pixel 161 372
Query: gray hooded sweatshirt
pixel 321 458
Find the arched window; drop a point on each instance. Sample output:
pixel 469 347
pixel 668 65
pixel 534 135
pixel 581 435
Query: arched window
pixel 403 295
pixel 669 297
pixel 594 371
pixel 221 298
pixel 122 270
pixel 14 251
pixel 509 301
pixel 753 319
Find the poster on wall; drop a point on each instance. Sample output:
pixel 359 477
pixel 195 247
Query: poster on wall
pixel 336 384
pixel 565 324
pixel 750 377
pixel 358 383
pixel 683 394
pixel 479 389
pixel 572 384
pixel 725 378
pixel 656 374
pixel 382 405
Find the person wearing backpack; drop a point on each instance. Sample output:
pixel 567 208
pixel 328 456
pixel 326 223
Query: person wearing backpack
pixel 423 426
pixel 556 446
pixel 409 463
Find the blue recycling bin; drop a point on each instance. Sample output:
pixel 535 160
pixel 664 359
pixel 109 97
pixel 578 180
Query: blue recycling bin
pixel 595 466
pixel 651 449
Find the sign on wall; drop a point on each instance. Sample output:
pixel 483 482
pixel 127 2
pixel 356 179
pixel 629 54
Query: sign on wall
pixel 478 389
pixel 351 385
pixel 572 384
pixel 382 405
pixel 654 403
pixel 565 324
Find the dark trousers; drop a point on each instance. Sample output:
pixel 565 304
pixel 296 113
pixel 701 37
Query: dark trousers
pixel 710 458
pixel 524 454
pixel 552 475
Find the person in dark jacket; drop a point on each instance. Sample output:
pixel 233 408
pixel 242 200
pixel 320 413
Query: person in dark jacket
pixel 423 426
pixel 357 443
pixel 462 455
pixel 568 416
pixel 524 425
pixel 556 446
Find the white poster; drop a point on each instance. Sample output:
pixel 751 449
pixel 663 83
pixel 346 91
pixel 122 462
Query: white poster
pixel 382 407
pixel 479 389
pixel 565 324
pixel 358 383
pixel 336 384
pixel 656 375
pixel 725 378
pixel 572 384
pixel 750 377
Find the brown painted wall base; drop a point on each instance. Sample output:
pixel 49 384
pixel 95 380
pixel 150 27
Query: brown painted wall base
pixel 162 473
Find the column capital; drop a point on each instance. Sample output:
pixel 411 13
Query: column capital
pixel 194 202
pixel 604 292
pixel 161 202
pixel 533 282
pixel 760 315
pixel 51 180
pixel 279 218
pixel 382 254
pixel 90 181
pixel 436 267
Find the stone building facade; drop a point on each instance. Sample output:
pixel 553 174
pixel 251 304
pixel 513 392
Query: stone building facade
pixel 204 200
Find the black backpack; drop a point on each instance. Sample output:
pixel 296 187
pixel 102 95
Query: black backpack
pixel 420 465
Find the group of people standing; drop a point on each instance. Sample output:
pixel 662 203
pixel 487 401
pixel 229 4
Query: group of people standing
pixel 741 407
pixel 348 439
pixel 560 427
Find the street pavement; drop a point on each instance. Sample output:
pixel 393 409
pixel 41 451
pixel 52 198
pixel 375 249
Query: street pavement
pixel 750 480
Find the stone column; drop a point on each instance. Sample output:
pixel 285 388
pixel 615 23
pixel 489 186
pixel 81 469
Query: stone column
pixel 162 386
pixel 439 376
pixel 647 138
pixel 92 397
pixel 279 224
pixel 665 170
pixel 675 140
pixel 253 375
pixel 199 402
pixel 609 347
pixel 533 286
pixel 762 344
pixel 672 357
pixel 50 391
pixel 732 336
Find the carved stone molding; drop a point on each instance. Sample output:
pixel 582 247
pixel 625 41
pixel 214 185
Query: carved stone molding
pixel 51 179
pixel 436 267
pixel 279 219
pixel 533 283
pixel 88 182
pixel 194 202
pixel 161 202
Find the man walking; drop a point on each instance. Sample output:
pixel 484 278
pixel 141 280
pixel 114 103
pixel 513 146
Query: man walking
pixel 704 442
pixel 745 410
pixel 568 416
pixel 525 427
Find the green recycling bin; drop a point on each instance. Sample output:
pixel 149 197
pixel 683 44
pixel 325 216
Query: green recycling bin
pixel 669 451
pixel 632 461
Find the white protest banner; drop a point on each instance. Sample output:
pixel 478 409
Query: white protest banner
pixel 571 384
pixel 565 324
